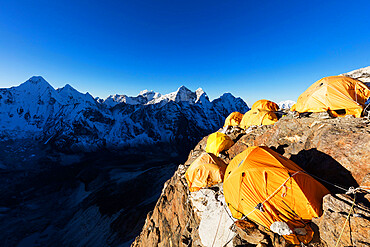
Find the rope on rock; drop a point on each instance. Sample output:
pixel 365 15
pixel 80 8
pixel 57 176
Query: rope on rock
pixel 219 222
pixel 260 205
pixel 353 190
pixel 229 214
pixel 232 225
pixel 365 109
pixel 337 186
pixel 350 190
pixel 229 240
pixel 345 223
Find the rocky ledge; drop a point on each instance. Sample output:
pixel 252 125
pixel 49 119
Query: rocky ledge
pixel 336 150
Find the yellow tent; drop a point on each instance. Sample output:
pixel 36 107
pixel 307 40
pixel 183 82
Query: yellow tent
pixel 334 93
pixel 258 117
pixel 266 105
pixel 233 119
pixel 206 171
pixel 267 187
pixel 218 142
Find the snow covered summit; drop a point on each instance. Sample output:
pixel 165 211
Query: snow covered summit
pixel 146 97
pixel 73 96
pixel 182 94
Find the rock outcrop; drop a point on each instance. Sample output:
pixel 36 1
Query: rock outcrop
pixel 335 150
pixel 336 209
pixel 362 74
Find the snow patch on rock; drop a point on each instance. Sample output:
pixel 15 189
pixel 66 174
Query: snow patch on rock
pixel 202 97
pixel 215 221
pixel 280 228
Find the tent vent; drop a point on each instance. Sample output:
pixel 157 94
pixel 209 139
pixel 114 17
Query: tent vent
pixel 341 111
pixel 260 207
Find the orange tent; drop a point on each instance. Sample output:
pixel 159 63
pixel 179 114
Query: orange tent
pixel 267 187
pixel 233 119
pixel 258 117
pixel 218 142
pixel 266 105
pixel 206 171
pixel 334 93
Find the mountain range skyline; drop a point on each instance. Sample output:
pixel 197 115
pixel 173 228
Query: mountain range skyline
pixel 121 96
pixel 71 121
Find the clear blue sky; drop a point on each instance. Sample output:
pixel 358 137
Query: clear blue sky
pixel 253 49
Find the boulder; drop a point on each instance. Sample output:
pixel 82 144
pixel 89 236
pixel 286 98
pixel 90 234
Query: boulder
pixel 356 229
pixel 249 232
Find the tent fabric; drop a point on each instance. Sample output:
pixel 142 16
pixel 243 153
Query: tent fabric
pixel 206 171
pixel 334 93
pixel 259 177
pixel 262 113
pixel 233 119
pixel 258 117
pixel 266 105
pixel 218 142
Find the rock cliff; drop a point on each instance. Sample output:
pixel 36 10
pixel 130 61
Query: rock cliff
pixel 336 150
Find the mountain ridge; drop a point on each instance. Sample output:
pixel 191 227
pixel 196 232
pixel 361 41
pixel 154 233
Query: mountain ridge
pixel 71 121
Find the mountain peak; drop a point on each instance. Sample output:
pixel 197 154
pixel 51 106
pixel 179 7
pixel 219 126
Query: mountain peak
pixel 202 97
pixel 149 94
pixel 184 94
pixel 227 95
pixel 67 86
pixel 199 91
pixel 145 91
pixel 70 93
pixel 183 88
pixel 37 79
pixel 35 83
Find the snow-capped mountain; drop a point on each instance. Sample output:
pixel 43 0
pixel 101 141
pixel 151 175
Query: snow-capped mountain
pixel 73 96
pixel 29 106
pixel 143 98
pixel 147 97
pixel 286 104
pixel 182 94
pixel 72 121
